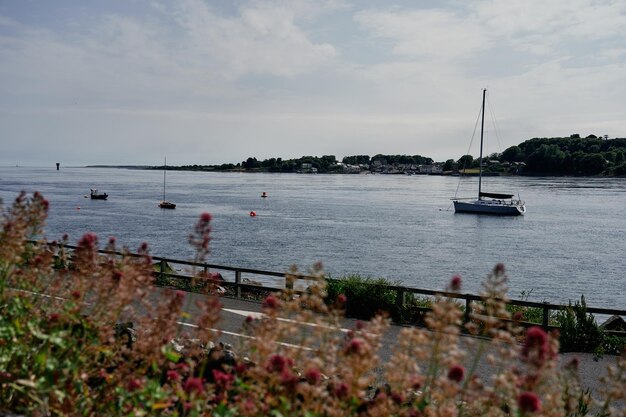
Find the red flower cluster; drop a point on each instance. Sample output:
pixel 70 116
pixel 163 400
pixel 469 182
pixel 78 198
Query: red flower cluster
pixel 455 283
pixel 278 363
pixel 355 346
pixel 222 378
pixel 133 384
pixel 536 347
pixel 193 384
pixel 270 302
pixel 313 376
pixel 89 241
pixel 529 402
pixel 172 375
pixel 456 373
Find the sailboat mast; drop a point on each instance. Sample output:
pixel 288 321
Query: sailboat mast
pixel 482 129
pixel 164 171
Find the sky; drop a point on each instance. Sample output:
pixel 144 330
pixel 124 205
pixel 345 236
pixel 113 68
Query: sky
pixel 117 82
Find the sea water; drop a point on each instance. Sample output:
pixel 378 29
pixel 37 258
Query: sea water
pixel 403 228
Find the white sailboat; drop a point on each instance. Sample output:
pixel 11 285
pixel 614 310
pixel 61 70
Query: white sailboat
pixel 489 203
pixel 164 203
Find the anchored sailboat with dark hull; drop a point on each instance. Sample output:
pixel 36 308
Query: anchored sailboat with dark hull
pixel 489 203
pixel 164 203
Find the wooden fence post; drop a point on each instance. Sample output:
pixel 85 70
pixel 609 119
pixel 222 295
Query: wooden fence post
pixel 468 309
pixel 546 316
pixel 399 300
pixel 237 283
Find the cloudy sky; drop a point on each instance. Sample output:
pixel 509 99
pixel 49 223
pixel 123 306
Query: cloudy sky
pixel 207 82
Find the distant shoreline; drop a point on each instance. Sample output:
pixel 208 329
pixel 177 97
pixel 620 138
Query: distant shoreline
pixel 257 171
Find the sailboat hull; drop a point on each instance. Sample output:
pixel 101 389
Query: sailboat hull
pixel 494 207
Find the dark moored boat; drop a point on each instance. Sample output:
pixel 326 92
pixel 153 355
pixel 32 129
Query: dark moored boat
pixel 95 195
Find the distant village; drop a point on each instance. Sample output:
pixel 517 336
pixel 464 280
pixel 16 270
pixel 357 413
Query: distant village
pixel 436 168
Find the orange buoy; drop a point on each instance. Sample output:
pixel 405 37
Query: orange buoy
pixel 253 214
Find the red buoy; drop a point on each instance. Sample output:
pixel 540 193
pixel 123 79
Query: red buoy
pixel 253 214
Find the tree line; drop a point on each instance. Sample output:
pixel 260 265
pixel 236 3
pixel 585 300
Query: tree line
pixel 571 155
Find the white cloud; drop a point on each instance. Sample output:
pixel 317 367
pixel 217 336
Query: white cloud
pixel 263 39
pixel 284 77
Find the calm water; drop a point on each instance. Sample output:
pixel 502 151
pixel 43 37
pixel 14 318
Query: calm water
pixel 570 242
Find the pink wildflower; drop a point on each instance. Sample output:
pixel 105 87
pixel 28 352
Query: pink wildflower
pixel 76 294
pixel 276 363
pixel 536 346
pixel 205 217
pixel 223 379
pixel 54 317
pixel 88 241
pixel 172 375
pixel 456 373
pixel 313 376
pixel 529 402
pixel 133 384
pixel 355 346
pixel 341 299
pixel 288 379
pixel 193 384
pixel 397 398
pixel 341 390
pixel 455 283
pixel 270 302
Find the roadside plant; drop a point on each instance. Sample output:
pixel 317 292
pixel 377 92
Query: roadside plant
pixel 89 334
pixel 579 330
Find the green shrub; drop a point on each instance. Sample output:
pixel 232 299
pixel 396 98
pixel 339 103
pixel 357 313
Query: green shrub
pixel 365 296
pixel 613 345
pixel 579 330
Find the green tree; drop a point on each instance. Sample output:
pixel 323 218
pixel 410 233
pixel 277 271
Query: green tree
pixel 512 154
pixel 593 164
pixel 465 161
pixel 546 159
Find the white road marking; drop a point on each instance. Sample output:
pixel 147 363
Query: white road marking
pixel 256 315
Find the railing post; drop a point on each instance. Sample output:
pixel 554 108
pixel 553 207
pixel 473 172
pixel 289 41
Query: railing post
pixel 468 309
pixel 546 316
pixel 400 301
pixel 237 283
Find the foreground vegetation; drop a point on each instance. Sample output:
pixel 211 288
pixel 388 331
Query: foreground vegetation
pixel 72 351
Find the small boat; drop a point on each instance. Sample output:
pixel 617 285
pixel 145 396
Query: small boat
pixel 264 194
pixel 164 203
pixel 95 195
pixel 489 203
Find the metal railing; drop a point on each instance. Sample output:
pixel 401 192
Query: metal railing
pixel 238 285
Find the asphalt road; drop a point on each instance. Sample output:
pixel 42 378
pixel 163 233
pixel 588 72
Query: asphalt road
pixel 235 312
